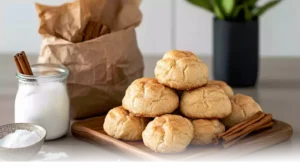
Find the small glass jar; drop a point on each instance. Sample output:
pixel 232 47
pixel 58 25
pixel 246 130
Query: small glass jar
pixel 42 99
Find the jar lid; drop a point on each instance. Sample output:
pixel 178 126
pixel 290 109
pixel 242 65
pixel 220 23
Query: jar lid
pixel 46 72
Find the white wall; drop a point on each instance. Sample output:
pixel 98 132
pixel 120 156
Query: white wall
pixel 166 24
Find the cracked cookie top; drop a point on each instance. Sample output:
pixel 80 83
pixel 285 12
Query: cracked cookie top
pixel 168 134
pixel 206 102
pixel 223 85
pixel 121 124
pixel 181 70
pixel 145 97
pixel 206 130
pixel 243 107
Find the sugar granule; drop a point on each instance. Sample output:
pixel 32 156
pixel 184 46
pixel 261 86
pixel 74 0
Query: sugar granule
pixel 41 152
pixel 19 139
pixel 51 156
pixel 55 156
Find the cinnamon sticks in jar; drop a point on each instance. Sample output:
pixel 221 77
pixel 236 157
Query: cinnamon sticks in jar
pixel 257 122
pixel 22 63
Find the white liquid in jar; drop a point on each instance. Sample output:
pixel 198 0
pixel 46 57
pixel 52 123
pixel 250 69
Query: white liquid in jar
pixel 45 104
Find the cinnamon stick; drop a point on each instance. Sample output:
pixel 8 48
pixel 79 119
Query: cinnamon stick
pixel 256 117
pixel 23 54
pixel 257 122
pixel 217 142
pixel 270 124
pixel 18 64
pixel 265 120
pixel 22 64
pixel 234 141
pixel 230 143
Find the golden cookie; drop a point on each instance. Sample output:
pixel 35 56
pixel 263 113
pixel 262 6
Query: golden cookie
pixel 243 107
pixel 181 70
pixel 146 97
pixel 223 85
pixel 205 131
pixel 206 102
pixel 121 124
pixel 168 134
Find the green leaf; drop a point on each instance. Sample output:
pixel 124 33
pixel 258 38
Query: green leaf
pixel 237 11
pixel 218 9
pixel 239 2
pixel 228 6
pixel 250 2
pixel 205 4
pixel 248 14
pixel 260 10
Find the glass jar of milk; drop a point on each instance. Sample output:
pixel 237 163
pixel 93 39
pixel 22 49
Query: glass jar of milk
pixel 42 99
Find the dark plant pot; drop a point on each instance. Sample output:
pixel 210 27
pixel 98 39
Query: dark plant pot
pixel 236 52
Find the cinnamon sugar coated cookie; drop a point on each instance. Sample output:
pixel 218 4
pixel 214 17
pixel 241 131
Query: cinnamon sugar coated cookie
pixel 145 97
pixel 205 131
pixel 223 85
pixel 243 107
pixel 181 70
pixel 205 102
pixel 168 134
pixel 121 124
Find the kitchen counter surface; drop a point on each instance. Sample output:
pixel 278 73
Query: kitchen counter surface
pixel 278 92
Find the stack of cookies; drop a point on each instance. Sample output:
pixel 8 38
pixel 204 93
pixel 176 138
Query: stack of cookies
pixel 180 107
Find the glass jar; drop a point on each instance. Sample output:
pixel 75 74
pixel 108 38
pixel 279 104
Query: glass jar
pixel 42 99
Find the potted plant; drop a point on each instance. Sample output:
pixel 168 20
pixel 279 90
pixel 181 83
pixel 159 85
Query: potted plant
pixel 235 39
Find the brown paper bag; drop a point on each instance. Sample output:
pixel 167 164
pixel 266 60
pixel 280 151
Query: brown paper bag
pixel 102 68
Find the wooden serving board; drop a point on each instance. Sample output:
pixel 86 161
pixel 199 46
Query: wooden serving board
pixel 91 130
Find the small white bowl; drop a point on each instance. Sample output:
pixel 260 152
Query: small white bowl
pixel 24 153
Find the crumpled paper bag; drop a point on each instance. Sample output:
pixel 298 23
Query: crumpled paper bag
pixel 102 68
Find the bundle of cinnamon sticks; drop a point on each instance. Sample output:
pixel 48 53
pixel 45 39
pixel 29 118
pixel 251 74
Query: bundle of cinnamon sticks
pixel 94 30
pixel 22 63
pixel 236 133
